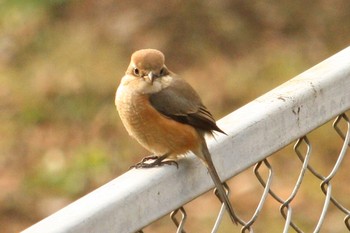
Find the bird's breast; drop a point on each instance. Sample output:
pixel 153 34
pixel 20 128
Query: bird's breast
pixel 154 131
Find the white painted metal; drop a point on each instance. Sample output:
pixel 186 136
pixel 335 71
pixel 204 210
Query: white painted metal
pixel 267 124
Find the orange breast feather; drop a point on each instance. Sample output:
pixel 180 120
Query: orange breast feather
pixel 156 132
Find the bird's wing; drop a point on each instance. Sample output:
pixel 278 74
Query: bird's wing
pixel 180 102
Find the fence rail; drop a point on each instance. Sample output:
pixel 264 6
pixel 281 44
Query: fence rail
pixel 255 131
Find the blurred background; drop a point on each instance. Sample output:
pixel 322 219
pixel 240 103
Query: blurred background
pixel 61 62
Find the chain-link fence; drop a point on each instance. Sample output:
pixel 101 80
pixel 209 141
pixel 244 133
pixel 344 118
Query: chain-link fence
pixel 256 134
pixel 286 209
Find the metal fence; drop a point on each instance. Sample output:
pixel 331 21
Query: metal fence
pixel 256 131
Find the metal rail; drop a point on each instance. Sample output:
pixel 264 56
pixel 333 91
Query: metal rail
pixel 255 131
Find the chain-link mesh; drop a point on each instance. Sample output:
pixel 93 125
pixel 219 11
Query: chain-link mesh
pixel 302 152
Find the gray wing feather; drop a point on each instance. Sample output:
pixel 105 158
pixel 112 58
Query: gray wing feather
pixel 181 103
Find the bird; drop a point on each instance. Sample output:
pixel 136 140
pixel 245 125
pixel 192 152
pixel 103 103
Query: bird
pixel 166 116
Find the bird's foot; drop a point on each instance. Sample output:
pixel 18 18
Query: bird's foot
pixel 157 162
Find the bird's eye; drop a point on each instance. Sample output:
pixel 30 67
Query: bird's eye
pixel 162 72
pixel 136 72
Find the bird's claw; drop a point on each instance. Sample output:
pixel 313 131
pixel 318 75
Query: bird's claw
pixel 158 162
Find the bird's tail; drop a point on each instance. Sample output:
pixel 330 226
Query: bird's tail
pixel 206 157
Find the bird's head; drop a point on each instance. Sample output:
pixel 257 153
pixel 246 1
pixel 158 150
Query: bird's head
pixel 147 64
pixel 148 70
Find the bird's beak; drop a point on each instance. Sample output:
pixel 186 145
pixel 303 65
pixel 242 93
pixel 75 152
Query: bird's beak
pixel 151 77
